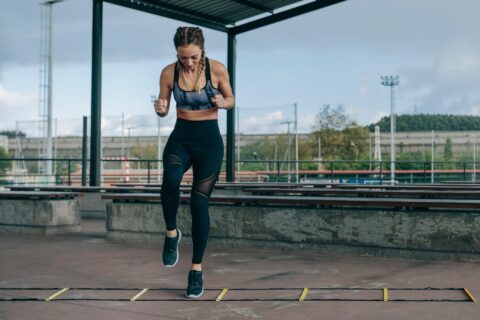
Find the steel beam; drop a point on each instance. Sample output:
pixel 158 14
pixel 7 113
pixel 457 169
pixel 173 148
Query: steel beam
pixel 96 102
pixel 231 61
pixel 312 6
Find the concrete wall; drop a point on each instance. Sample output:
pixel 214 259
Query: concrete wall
pixel 416 234
pixel 39 216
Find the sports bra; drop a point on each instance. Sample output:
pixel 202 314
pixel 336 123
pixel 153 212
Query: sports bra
pixel 193 100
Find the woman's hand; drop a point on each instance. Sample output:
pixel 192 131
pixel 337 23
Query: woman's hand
pixel 161 106
pixel 219 102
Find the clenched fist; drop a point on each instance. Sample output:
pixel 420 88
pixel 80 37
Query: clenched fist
pixel 219 102
pixel 161 106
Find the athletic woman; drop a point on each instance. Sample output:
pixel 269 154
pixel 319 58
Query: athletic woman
pixel 200 87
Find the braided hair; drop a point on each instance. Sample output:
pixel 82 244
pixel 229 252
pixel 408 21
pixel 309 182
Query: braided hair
pixel 191 35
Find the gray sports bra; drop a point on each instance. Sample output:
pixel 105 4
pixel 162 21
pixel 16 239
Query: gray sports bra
pixel 193 100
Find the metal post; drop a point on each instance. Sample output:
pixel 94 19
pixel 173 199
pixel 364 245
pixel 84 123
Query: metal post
pixel 231 61
pixel 432 178
pixel 331 172
pixel 391 81
pixel 296 142
pixel 123 135
pixel 96 101
pixel 148 170
pixel 84 152
pixel 238 138
pixel 69 173
pixel 474 175
pixel 48 154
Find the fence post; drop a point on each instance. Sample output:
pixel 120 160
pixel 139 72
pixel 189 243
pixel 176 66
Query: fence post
pixel 424 172
pixel 331 172
pixel 381 173
pixel 464 171
pixel 278 171
pixel 148 167
pixel 69 173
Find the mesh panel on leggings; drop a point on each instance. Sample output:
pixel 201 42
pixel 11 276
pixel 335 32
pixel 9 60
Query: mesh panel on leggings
pixel 204 187
pixel 173 159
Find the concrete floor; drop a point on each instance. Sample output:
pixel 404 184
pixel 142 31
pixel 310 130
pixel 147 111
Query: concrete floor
pixel 90 260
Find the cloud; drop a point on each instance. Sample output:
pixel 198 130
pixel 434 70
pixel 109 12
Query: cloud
pixel 450 84
pixel 14 105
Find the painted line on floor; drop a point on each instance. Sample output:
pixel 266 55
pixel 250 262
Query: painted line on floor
pixel 141 293
pixel 303 295
pixel 469 295
pixel 55 295
pixel 221 294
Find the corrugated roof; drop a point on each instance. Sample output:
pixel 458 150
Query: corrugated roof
pixel 233 16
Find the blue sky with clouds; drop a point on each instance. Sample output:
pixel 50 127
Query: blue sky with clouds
pixel 332 56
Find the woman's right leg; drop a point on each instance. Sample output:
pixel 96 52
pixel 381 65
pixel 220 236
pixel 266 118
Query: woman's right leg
pixel 176 162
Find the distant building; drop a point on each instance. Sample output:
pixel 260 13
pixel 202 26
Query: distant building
pixel 418 141
pixel 4 142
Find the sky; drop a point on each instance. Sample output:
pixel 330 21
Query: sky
pixel 334 56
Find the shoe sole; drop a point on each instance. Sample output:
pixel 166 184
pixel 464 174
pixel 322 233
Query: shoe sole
pixel 178 254
pixel 193 296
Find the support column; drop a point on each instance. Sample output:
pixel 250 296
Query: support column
pixel 96 106
pixel 231 61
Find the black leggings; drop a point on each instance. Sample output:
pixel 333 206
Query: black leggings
pixel 200 145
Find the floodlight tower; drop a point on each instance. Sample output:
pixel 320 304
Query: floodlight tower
pixel 45 97
pixel 391 81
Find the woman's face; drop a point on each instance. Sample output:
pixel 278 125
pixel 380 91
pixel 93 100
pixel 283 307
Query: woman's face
pixel 189 56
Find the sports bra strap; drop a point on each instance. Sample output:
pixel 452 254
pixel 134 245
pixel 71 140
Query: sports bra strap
pixel 175 74
pixel 207 70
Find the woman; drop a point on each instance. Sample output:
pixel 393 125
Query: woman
pixel 200 87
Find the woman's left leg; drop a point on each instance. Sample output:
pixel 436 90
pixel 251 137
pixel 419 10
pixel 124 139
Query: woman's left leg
pixel 206 169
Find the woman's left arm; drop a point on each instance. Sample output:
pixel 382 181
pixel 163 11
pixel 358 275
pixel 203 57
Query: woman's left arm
pixel 225 100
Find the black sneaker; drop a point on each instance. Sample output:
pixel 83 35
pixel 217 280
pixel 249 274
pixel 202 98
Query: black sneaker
pixel 195 284
pixel 170 250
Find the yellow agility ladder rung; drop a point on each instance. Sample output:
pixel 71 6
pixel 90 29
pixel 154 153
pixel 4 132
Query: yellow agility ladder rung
pixel 469 295
pixel 138 295
pixel 55 295
pixel 385 294
pixel 221 294
pixel 303 295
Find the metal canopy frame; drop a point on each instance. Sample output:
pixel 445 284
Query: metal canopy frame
pixel 227 16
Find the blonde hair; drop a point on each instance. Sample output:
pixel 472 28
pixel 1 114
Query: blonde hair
pixel 191 35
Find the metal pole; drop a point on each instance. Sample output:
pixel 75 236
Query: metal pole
pixel 231 61
pixel 123 135
pixel 392 135
pixel 238 138
pixel 96 102
pixel 84 152
pixel 296 143
pixel 48 154
pixel 159 151
pixel 432 178
pixel 391 81
pixel 319 154
pixel 370 153
pixel 474 175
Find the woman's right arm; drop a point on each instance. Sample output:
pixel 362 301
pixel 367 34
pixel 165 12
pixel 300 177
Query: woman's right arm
pixel 162 104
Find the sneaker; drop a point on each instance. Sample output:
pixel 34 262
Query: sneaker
pixel 195 284
pixel 170 250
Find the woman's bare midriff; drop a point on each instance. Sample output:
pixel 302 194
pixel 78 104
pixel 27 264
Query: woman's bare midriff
pixel 198 115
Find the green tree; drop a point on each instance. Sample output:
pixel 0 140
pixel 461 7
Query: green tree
pixel 340 138
pixel 5 164
pixel 12 133
pixel 144 152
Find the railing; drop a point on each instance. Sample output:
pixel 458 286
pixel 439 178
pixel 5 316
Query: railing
pixel 69 171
